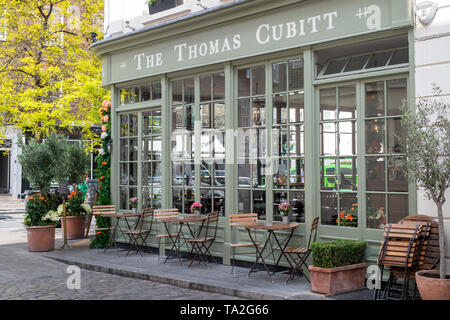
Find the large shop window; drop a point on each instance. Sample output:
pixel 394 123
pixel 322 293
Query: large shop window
pixel 286 128
pixel 199 169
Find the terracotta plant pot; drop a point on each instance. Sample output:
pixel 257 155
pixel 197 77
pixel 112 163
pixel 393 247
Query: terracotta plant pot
pixel 331 281
pixel 432 288
pixel 75 227
pixel 41 238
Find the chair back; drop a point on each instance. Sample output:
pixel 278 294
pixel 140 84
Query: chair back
pixel 314 224
pixel 159 214
pixel 212 223
pixel 399 247
pixel 428 257
pixel 146 213
pixel 104 209
pixel 241 219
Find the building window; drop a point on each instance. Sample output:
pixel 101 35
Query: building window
pixel 288 137
pixel 386 183
pixel 140 93
pixel 252 148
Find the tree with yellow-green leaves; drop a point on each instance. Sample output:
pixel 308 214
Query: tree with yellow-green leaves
pixel 48 77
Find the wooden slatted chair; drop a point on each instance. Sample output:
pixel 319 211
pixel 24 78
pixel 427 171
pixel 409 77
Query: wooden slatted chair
pixel 160 234
pixel 300 254
pixel 398 254
pixel 139 235
pixel 241 219
pixel 202 244
pixel 104 210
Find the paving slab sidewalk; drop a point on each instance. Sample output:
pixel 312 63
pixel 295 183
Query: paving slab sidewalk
pixel 216 279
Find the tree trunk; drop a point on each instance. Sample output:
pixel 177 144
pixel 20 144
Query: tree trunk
pixel 441 240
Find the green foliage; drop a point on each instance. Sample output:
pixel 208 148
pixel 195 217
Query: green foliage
pixel 40 162
pixel 76 164
pixel 338 253
pixel 37 207
pixel 49 78
pixel 74 204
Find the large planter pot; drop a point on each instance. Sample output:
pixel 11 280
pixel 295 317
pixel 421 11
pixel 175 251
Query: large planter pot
pixel 432 288
pixel 161 5
pixel 75 227
pixel 41 238
pixel 331 281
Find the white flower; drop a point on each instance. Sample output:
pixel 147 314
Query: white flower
pixel 60 209
pixel 101 152
pixel 104 135
pixel 87 208
pixel 51 215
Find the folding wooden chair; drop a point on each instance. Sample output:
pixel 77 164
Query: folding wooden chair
pixel 104 211
pixel 201 244
pixel 398 254
pixel 241 219
pixel 300 254
pixel 139 235
pixel 158 215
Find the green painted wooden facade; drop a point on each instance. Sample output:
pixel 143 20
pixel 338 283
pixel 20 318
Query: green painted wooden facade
pixel 122 69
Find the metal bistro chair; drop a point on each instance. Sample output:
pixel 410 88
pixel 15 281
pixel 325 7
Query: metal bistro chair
pixel 300 254
pixel 158 215
pixel 241 219
pixel 139 235
pixel 398 254
pixel 202 244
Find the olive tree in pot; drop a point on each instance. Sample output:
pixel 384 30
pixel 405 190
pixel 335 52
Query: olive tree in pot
pixel 74 165
pixel 427 147
pixel 38 161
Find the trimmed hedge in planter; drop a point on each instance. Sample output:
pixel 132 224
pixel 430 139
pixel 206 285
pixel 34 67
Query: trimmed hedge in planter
pixel 338 253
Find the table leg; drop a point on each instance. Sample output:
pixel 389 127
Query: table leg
pixel 174 242
pixel 282 248
pixel 259 254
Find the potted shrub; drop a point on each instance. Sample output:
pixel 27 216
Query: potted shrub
pixel 40 222
pixel 75 215
pixel 337 266
pixel 285 209
pixel 155 6
pixel 427 147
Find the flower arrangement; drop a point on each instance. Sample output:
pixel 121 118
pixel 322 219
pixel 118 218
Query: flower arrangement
pixel 376 218
pixel 348 217
pixel 133 202
pixel 38 207
pixel 284 208
pixel 74 204
pixel 196 206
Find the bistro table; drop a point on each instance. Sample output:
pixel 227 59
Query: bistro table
pixel 118 216
pixel 270 228
pixel 181 220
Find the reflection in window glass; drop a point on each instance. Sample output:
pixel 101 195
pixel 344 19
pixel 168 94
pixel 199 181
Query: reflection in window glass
pixel 396 92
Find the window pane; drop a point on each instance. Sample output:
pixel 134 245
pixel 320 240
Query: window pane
pixel 219 173
pixel 133 125
pixel 297 173
pixel 296 140
pixel 219 145
pixel 400 56
pixel 134 95
pixel 124 173
pixel 156 122
pixel 375 99
pixel 244 170
pixel 177 199
pixel 327 139
pixel 258 174
pixel 335 66
pixel 219 86
pixel 177 175
pixel 328 104
pixel 347 102
pixel 189 174
pixel 124 150
pixel 146 171
pixel 396 92
pixel 205 115
pixel 156 174
pixel 132 174
pixel 297 201
pixel 376 211
pixel 347 138
pixel 395 131
pixel 189 121
pixel 356 63
pixel 219 115
pixel 177 118
pixel 328 174
pixel 259 204
pixel 259 111
pixel 244 82
pixel 375 136
pixel 146 149
pixel 156 148
pixel 123 125
pixel 378 59
pixel 206 144
pixel 189 92
pixel 145 93
pixel 206 173
pixel 348 214
pixel 296 107
pixel 205 88
pixel 156 90
pixel 123 196
pixel 375 174
pixel 328 208
pixel 177 92
pixel 296 74
pixel 279 77
pixel 397 178
pixel 280 141
pixel 244 201
pixel 258 80
pixel 244 119
pixel 280 109
pixel 133 150
pixel 146 123
pixel 398 207
pixel 348 174
pixel 281 176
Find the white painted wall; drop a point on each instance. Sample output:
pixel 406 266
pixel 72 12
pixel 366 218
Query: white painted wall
pixel 117 12
pixel 432 65
pixel 15 174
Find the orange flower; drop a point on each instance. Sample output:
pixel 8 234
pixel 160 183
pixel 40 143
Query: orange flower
pixel 31 198
pixel 98 232
pixel 98 180
pixel 349 217
pixel 102 177
pixel 104 163
pixel 100 187
pixel 41 198
pixel 342 213
pixel 69 197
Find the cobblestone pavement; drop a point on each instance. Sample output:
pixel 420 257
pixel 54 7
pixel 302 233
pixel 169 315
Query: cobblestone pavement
pixel 25 275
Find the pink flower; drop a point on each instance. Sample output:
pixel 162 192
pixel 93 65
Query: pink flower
pixel 106 104
pixel 105 118
pixel 196 206
pixel 104 128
